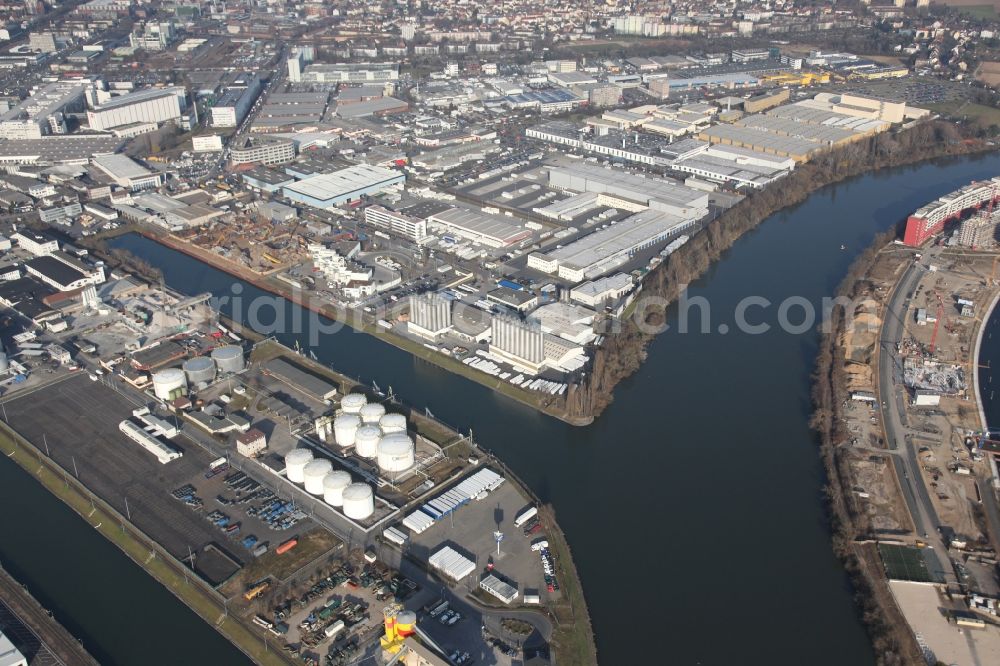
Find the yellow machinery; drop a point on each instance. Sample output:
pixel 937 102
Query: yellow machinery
pixel 797 78
pixel 399 624
pixel 257 590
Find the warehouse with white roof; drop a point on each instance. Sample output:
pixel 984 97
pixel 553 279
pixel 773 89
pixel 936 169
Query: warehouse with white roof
pixel 478 227
pixel 344 186
pixel 608 249
pixel 659 193
pixel 127 172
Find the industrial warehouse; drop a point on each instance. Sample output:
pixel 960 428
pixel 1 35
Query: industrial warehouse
pixel 309 460
pixel 328 190
pixel 603 251
pixel 502 194
pixel 478 227
pixel 142 106
pixel 656 193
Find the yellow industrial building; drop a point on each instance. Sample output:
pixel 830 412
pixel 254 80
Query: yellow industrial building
pixel 766 101
pixel 796 78
pixel 876 73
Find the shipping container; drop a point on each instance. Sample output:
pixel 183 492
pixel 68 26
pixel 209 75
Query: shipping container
pixel 525 516
pixel 334 628
pixel 287 546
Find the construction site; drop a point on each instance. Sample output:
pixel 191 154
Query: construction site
pixel 919 482
pixel 939 328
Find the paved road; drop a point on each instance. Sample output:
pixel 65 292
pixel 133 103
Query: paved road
pixel 893 399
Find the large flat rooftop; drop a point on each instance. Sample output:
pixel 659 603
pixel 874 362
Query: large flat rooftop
pixel 121 166
pixel 587 178
pixel 620 237
pixel 44 101
pixel 480 223
pixel 762 140
pixel 140 96
pixel 328 186
pixel 57 149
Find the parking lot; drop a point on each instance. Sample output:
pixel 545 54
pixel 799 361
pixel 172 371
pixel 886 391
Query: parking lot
pixel 912 90
pixel 471 533
pixel 76 421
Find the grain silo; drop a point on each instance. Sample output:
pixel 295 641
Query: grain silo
pixel 228 358
pixel 396 453
pixel 169 384
pixel 333 487
pixel 366 440
pixel 359 501
pixel 295 463
pixel 313 474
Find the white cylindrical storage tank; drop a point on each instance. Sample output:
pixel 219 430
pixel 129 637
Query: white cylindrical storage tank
pixel 228 358
pixel 295 463
pixel 372 412
pixel 199 369
pixel 353 402
pixel 169 384
pixel 396 453
pixel 344 428
pixel 392 423
pixel 313 474
pixel 359 501
pixel 333 487
pixel 366 440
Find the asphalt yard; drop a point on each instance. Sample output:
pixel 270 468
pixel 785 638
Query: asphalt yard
pixel 472 534
pixel 77 420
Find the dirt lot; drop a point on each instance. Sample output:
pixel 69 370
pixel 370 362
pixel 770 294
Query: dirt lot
pixel 875 490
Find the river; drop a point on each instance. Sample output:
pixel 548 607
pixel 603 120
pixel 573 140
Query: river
pixel 693 505
pixel 989 362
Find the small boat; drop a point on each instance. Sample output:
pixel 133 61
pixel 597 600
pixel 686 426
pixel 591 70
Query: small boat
pixel 377 390
pixel 843 247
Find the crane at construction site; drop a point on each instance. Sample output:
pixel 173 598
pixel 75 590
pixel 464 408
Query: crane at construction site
pixel 937 321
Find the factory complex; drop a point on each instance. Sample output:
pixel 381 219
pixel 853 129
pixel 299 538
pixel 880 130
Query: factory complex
pixel 498 192
pixel 344 186
pixel 505 253
pixel 246 460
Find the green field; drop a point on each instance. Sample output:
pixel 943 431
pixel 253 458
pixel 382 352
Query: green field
pixel 904 563
pixel 968 111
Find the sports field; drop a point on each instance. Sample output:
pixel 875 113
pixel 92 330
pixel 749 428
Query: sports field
pixel 904 563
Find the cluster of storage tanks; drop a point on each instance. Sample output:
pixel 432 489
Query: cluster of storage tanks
pixel 317 476
pixel 200 370
pixel 374 434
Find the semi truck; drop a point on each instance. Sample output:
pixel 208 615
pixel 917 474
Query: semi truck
pixel 525 516
pixel 334 629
